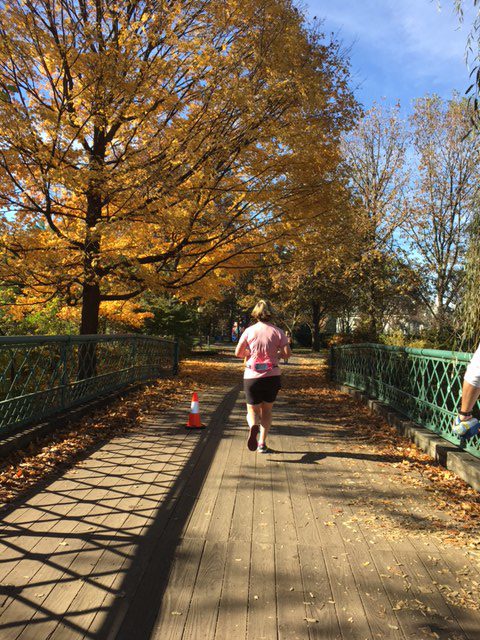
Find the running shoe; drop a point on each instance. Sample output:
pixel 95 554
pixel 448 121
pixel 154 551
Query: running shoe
pixel 252 443
pixel 465 427
pixel 262 448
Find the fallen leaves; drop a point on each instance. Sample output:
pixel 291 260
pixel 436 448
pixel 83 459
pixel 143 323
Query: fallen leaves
pixel 414 605
pixel 447 506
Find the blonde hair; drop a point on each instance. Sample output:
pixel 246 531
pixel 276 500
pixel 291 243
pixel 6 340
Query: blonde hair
pixel 262 311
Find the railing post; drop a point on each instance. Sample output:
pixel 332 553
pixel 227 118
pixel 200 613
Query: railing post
pixel 371 372
pixel 64 357
pixel 133 368
pixel 176 353
pixel 331 364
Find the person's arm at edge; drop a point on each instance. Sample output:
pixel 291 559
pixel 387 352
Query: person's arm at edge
pixel 471 385
pixel 470 395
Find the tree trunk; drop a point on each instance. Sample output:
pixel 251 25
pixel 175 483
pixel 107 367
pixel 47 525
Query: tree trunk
pixel 87 356
pixel 316 316
pixel 439 305
pixel 372 327
pixel 373 314
pixel 90 309
pixel 91 283
pixel 441 324
pixel 87 353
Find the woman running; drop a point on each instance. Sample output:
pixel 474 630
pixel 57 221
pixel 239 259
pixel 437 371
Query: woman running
pixel 262 345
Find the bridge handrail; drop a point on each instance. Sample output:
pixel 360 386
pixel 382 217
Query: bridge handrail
pixel 422 384
pixel 41 376
pixel 433 353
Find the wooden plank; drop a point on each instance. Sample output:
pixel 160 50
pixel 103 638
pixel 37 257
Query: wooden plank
pixel 291 608
pixel 176 600
pixel 200 519
pixel 220 521
pixel 262 610
pixel 242 516
pixel 263 514
pixel 307 532
pixel 284 518
pixel 318 595
pixel 328 510
pixel 349 607
pixel 380 614
pixel 261 622
pixel 203 611
pixel 232 614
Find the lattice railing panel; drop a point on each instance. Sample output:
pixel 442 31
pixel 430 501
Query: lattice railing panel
pixel 424 385
pixel 43 375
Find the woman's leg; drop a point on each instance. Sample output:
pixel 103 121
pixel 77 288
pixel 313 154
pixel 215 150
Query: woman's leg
pixel 265 420
pixel 254 414
pixel 253 419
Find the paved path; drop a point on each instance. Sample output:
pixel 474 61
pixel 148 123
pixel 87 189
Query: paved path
pixel 176 535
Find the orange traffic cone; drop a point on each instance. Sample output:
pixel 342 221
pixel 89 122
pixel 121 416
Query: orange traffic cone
pixel 194 421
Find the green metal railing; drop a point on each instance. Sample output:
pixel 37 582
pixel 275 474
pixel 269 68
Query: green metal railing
pixel 41 376
pixel 422 384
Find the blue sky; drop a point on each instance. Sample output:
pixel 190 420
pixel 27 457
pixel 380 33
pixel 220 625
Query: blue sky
pixel 400 49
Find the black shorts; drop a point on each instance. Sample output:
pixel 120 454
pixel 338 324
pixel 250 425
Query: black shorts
pixel 258 390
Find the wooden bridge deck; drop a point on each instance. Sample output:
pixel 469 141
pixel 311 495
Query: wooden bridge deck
pixel 169 534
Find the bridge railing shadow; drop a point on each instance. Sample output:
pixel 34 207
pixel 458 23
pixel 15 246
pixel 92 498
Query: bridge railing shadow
pixel 78 555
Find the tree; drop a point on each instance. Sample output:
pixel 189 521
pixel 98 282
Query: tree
pixel 308 278
pixel 472 55
pixel 442 199
pixel 467 317
pixel 375 162
pixel 396 295
pixel 148 145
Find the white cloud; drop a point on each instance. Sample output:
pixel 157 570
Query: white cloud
pixel 409 47
pixel 436 34
pixel 415 26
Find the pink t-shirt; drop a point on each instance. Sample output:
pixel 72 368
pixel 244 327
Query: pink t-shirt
pixel 263 341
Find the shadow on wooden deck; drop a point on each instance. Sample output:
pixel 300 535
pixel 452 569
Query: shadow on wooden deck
pixel 127 619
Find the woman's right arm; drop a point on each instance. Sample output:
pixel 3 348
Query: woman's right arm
pixel 242 347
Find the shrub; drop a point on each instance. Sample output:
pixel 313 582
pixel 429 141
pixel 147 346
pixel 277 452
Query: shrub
pixel 339 338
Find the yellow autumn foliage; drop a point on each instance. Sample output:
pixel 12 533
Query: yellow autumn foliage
pixel 149 146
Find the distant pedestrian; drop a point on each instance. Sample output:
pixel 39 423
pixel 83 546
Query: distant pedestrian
pixel 289 338
pixel 466 424
pixel 262 345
